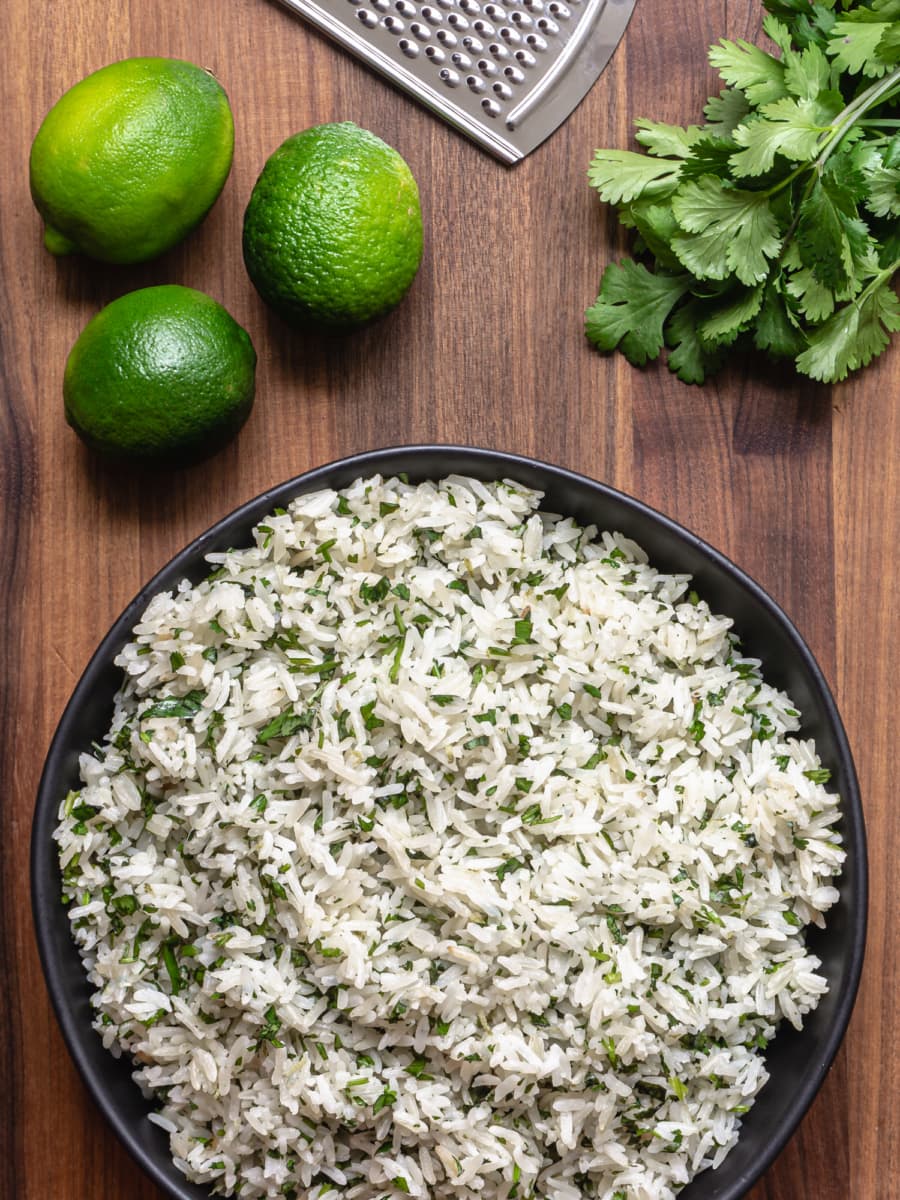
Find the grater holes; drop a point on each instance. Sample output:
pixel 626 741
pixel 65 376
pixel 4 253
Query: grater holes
pixel 486 48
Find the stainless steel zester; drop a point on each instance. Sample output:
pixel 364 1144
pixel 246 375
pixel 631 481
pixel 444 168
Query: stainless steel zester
pixel 506 74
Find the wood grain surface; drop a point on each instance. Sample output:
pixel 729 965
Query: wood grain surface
pixel 797 483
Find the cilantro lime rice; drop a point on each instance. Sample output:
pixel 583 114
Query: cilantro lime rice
pixel 441 847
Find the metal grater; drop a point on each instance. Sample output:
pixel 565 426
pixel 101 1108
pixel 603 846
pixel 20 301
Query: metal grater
pixel 504 74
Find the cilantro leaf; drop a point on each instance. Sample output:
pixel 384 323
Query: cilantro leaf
pixel 792 128
pixel 730 315
pixel 657 226
pixel 830 235
pixel 855 334
pixel 820 237
pixel 623 175
pixel 810 23
pixel 725 112
pixel 845 172
pixel 690 358
pixel 789 10
pixel 815 300
pixel 777 31
pixel 855 42
pixel 631 309
pixel 881 171
pixel 175 706
pixel 759 75
pixel 889 46
pixel 663 140
pixel 509 865
pixel 284 725
pixel 807 73
pixel 777 328
pixel 710 156
pixel 734 231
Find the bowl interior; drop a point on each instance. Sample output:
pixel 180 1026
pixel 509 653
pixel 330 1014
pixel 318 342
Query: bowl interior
pixel 797 1061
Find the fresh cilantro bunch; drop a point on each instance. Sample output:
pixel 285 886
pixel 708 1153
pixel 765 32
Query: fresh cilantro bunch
pixel 777 221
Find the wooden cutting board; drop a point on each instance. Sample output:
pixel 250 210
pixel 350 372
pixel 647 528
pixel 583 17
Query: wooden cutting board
pixel 799 484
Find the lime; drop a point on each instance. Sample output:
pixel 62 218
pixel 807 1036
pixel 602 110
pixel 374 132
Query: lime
pixel 333 230
pixel 163 375
pixel 130 159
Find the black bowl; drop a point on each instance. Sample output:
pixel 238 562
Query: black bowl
pixel 797 1062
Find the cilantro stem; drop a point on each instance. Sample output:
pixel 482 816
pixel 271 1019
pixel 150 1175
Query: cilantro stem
pixel 876 281
pixel 787 181
pixel 845 120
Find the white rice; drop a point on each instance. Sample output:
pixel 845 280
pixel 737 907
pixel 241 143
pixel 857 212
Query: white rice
pixel 441 847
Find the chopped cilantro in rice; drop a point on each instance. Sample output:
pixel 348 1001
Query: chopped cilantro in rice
pixel 441 847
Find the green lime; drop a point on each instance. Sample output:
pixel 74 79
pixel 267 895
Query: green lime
pixel 163 375
pixel 130 159
pixel 333 230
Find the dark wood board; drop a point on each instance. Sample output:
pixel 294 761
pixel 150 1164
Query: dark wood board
pixel 799 484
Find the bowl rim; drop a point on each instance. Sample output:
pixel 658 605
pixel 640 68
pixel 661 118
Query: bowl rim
pixel 45 885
